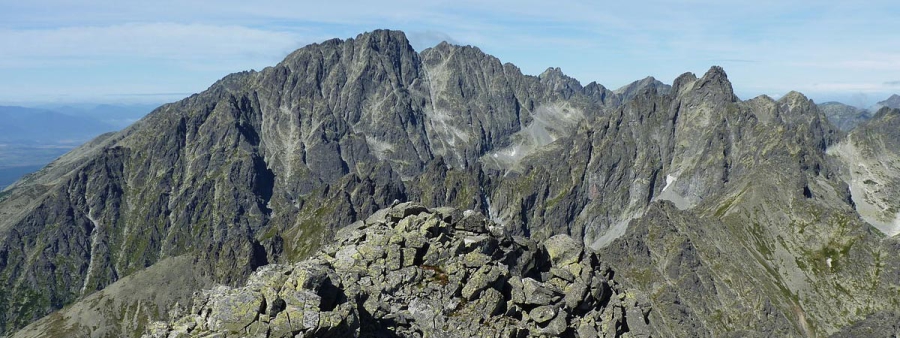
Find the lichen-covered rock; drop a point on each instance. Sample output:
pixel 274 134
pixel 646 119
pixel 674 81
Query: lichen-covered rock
pixel 234 311
pixel 542 314
pixel 563 250
pixel 366 285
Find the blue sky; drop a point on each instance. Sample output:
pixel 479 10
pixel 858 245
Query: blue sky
pixel 158 51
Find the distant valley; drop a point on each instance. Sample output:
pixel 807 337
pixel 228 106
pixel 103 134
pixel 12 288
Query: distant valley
pixel 30 138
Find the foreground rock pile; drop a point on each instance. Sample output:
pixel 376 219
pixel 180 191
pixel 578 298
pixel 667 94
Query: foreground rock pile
pixel 415 272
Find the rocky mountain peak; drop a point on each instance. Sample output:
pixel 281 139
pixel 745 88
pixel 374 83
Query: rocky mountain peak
pixel 716 81
pixel 385 39
pixel 445 48
pixel 893 101
pixel 795 101
pixel 555 78
pixel 635 88
pixel 552 72
pixel 683 82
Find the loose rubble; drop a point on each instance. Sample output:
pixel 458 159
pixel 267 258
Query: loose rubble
pixel 410 271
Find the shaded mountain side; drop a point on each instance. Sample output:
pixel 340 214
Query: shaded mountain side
pixel 843 116
pixel 698 287
pixel 681 147
pixel 264 166
pixel 759 262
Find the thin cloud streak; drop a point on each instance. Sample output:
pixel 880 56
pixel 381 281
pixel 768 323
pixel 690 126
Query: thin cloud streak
pixel 766 46
pixel 156 40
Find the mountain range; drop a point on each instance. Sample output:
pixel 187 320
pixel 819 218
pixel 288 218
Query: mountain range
pixel 704 214
pixel 847 117
pixel 22 124
pixel 117 115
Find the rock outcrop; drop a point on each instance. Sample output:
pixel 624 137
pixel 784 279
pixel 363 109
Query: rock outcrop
pixel 409 271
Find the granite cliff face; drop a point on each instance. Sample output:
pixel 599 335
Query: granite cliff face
pixel 720 215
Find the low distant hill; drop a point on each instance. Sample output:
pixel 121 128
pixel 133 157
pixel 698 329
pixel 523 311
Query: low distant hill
pixel 116 115
pixel 30 138
pixel 29 125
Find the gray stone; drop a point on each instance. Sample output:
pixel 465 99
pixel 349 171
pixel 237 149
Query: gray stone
pixel 537 293
pixel 482 279
pixel 346 257
pixel 557 325
pixel 576 295
pixel 587 330
pixel 233 312
pixel 517 290
pixel 564 274
pixel 403 210
pixel 409 256
pixel 472 221
pixel 637 324
pixel 563 250
pixel 300 298
pixel 490 302
pixel 394 259
pixel 542 314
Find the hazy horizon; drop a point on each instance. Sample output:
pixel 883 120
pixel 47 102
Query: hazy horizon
pixel 103 52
